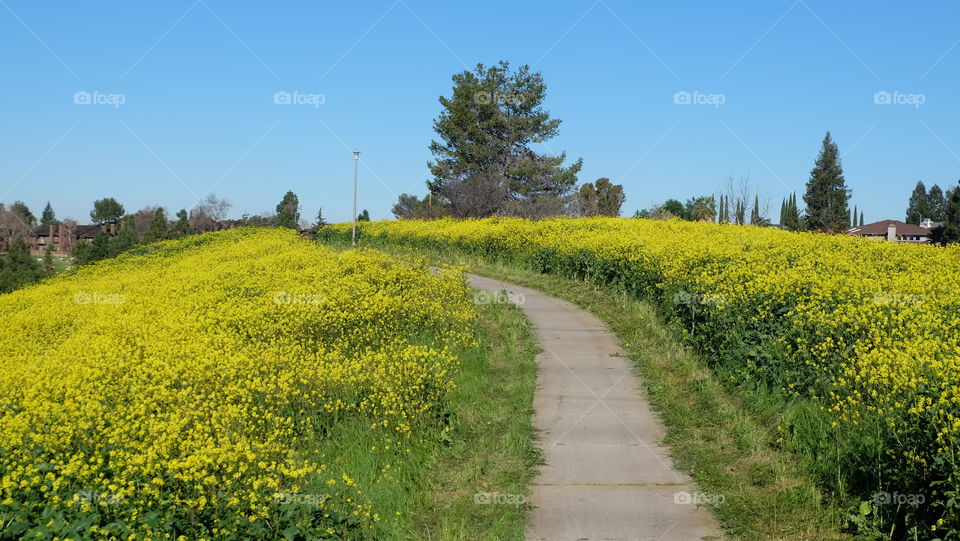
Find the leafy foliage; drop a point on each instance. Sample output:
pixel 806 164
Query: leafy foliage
pixel 18 268
pixel 106 211
pixel 288 211
pixel 483 157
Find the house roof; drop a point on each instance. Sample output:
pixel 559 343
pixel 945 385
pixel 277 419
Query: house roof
pixel 880 228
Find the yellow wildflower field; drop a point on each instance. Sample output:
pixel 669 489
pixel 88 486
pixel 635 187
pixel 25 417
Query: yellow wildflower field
pixel 868 331
pixel 181 389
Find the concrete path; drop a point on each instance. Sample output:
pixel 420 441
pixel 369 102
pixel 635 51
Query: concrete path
pixel 606 476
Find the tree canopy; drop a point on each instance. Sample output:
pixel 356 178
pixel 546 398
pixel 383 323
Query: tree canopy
pixel 106 211
pixel 483 157
pixel 924 204
pixel 288 211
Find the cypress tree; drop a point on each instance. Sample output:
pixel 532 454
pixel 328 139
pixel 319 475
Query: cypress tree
pixel 48 268
pixel 755 213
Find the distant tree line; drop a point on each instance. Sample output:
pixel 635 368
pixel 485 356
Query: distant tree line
pixel 942 209
pixel 148 225
pixel 825 201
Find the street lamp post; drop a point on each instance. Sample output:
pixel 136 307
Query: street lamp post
pixel 356 177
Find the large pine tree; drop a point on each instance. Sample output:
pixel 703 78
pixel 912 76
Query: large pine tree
pixel 827 192
pixel 487 129
pixel 917 207
pixel 48 217
pixel 288 211
pixel 157 230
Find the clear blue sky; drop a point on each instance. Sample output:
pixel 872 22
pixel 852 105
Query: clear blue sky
pixel 198 77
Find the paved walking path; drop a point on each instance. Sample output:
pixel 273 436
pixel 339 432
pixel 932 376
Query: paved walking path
pixel 606 476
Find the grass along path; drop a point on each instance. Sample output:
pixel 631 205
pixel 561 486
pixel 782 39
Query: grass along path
pixel 491 449
pixel 725 441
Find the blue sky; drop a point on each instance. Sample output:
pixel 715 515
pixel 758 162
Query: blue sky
pixel 197 81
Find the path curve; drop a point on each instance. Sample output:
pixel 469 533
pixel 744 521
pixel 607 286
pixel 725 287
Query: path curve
pixel 606 476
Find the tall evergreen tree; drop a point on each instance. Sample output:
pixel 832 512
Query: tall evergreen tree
pixel 181 228
pixel 917 207
pixel 157 230
pixel 861 218
pixel 951 225
pixel 486 130
pixel 853 217
pixel 126 237
pixel 288 211
pixel 755 213
pixel 48 268
pixel 321 221
pixel 791 218
pixel 936 204
pixel 48 217
pixel 827 194
pixel 364 216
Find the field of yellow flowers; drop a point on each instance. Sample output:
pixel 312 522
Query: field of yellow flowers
pixel 867 332
pixel 185 391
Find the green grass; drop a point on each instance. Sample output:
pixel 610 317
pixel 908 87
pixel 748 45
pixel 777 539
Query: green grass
pixel 60 262
pixel 724 436
pixel 488 446
pixel 492 441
